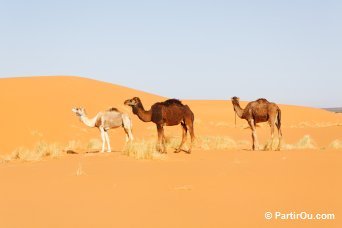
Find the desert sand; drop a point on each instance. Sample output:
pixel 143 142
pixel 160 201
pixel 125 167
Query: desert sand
pixel 221 184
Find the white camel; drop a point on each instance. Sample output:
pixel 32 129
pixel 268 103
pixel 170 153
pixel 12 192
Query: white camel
pixel 106 120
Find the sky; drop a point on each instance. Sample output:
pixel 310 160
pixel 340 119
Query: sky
pixel 289 52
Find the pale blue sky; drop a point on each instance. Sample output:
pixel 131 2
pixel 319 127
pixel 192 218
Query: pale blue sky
pixel 287 51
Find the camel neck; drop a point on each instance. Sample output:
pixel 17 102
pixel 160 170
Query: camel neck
pixel 89 122
pixel 143 115
pixel 238 110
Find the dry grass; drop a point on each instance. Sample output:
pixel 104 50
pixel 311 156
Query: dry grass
pixel 52 150
pixel 142 150
pixel 313 124
pixel 94 144
pixel 198 121
pixel 336 144
pixel 147 149
pixel 74 145
pixel 219 143
pixel 79 171
pixel 174 142
pixel 41 150
pixel 208 143
pixel 304 143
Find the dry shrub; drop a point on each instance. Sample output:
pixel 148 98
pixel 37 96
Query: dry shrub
pixel 219 143
pixel 274 145
pixel 174 142
pixel 94 144
pixel 336 144
pixel 207 143
pixel 142 150
pixel 41 150
pixel 147 149
pixel 312 124
pixel 73 145
pixel 79 171
pixel 304 143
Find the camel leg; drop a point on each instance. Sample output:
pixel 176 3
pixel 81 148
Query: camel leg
pixel 163 141
pixel 254 135
pixel 129 135
pixel 127 125
pixel 184 136
pixel 192 135
pixel 160 137
pixel 108 143
pixel 280 135
pixel 103 139
pixel 269 145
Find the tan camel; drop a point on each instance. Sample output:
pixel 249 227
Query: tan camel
pixel 168 113
pixel 106 120
pixel 260 111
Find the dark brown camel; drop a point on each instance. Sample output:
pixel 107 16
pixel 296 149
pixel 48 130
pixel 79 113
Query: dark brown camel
pixel 168 113
pixel 260 111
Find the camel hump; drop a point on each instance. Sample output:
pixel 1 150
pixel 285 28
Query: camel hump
pixel 172 102
pixel 262 100
pixel 112 109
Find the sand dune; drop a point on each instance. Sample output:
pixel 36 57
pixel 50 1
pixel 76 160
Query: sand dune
pixel 39 108
pixel 221 184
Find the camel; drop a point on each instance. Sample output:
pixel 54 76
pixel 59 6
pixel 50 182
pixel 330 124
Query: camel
pixel 168 113
pixel 106 120
pixel 260 111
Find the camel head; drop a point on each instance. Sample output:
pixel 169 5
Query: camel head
pixel 79 111
pixel 235 100
pixel 133 102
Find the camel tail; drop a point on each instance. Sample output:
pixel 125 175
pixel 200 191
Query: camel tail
pixel 192 119
pixel 192 114
pixel 279 118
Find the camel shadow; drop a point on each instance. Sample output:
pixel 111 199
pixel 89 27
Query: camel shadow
pixel 99 152
pixel 71 152
pixel 181 150
pixel 91 152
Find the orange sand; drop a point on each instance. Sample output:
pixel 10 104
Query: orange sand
pixel 209 188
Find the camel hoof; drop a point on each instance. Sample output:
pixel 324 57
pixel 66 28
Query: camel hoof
pixel 177 151
pixel 109 151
